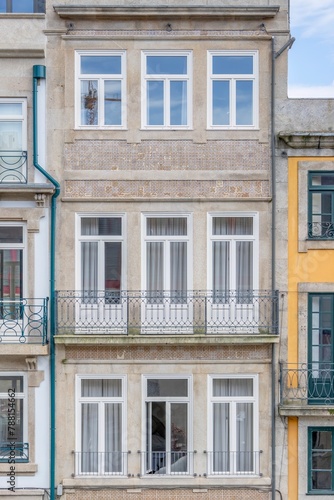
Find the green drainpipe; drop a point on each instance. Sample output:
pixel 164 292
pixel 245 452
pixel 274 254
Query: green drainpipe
pixel 39 73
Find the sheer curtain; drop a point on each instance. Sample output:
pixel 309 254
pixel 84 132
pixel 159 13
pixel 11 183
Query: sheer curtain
pixel 232 453
pixel 101 445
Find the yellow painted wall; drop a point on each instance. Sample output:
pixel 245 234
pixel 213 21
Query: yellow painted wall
pixel 308 267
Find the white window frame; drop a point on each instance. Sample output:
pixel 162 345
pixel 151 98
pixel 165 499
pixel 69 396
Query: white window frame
pixel 233 239
pixel 17 118
pixel 22 396
pixel 233 400
pixel 167 239
pixel 101 239
pixel 18 246
pixel 167 79
pixel 233 78
pixel 171 399
pixel 100 78
pixel 101 401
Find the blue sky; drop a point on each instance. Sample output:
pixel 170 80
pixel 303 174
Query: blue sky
pixel 311 58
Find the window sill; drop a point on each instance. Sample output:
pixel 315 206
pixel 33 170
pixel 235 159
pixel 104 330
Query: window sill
pixel 22 15
pixel 314 244
pixel 21 469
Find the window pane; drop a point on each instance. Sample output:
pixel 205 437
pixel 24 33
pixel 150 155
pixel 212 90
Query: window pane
pixel 112 102
pixel 221 266
pixel 178 103
pixel 101 226
pixel 89 437
pixel 178 270
pixel 3 7
pixel 232 65
pixel 15 422
pixel 244 430
pixel 11 382
pixel 113 437
pixel 101 388
pixel 155 103
pixel 244 103
pixel 10 280
pixel 166 226
pixel 101 65
pixel 10 109
pixel 113 266
pixel 23 5
pixel 11 234
pixel 221 437
pixel 232 225
pixel 244 264
pixel 232 387
pixel 155 267
pixel 166 65
pixel 11 135
pixel 321 480
pixel 220 103
pixel 89 102
pixel 167 387
pixel 89 268
pixel 179 429
pixel 322 179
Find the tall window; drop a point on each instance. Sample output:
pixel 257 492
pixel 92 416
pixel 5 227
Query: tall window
pixel 101 252
pixel 101 426
pixel 167 94
pixel 233 425
pixel 101 89
pixel 233 81
pixel 321 205
pixel 22 6
pixel 320 460
pixel 233 255
pixel 167 256
pixel 13 140
pixel 167 426
pixel 12 417
pixel 320 351
pixel 11 270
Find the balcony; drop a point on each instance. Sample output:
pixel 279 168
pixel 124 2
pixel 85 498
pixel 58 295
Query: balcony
pixel 13 167
pixel 23 321
pixel 168 312
pixel 97 463
pixel 321 230
pixel 167 463
pixel 17 451
pixel 233 463
pixel 305 385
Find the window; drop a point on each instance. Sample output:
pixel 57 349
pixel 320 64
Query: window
pixel 101 436
pixel 320 460
pixel 13 140
pixel 167 89
pixel 233 259
pixel 101 253
pixel 11 271
pixel 233 81
pixel 167 256
pixel 101 89
pixel 22 6
pixel 320 352
pixel 234 424
pixel 13 420
pixel 321 205
pixel 167 441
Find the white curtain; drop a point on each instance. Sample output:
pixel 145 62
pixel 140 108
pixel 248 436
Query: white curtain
pixel 232 453
pixel 101 447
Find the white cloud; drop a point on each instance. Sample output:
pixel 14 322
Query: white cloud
pixel 315 91
pixel 314 17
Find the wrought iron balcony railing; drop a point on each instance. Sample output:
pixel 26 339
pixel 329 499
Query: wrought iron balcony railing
pixel 97 463
pixel 233 463
pixel 167 463
pixel 321 230
pixel 23 321
pixel 311 383
pixel 13 167
pixel 14 450
pixel 192 312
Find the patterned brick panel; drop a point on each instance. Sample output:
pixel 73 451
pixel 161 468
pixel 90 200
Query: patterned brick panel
pixel 167 34
pixel 166 155
pixel 242 352
pixel 166 189
pixel 216 494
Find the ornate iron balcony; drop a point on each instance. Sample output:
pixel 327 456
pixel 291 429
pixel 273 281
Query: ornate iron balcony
pixel 321 230
pixel 311 383
pixel 233 463
pixel 15 450
pixel 13 167
pixel 23 321
pixel 97 463
pixel 168 312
